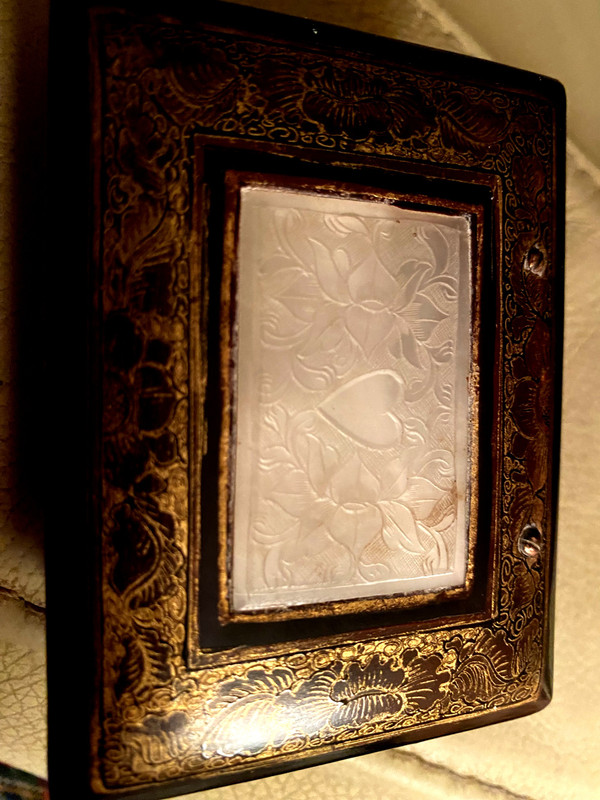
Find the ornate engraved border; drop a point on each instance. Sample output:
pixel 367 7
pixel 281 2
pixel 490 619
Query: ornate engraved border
pixel 158 719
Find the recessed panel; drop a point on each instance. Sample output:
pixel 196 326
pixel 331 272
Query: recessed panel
pixel 352 362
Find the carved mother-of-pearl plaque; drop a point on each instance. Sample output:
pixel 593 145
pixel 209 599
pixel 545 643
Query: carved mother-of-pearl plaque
pixel 352 362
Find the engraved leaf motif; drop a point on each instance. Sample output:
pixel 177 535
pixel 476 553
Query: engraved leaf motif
pixel 146 562
pixel 469 126
pixel 278 273
pixel 331 272
pixel 292 236
pixel 204 75
pixel 257 681
pixel 394 478
pixel 484 667
pixel 151 282
pixel 410 347
pixel 258 713
pixel 326 336
pixel 367 692
pixel 400 530
pixel 288 488
pixel 302 298
pixel 328 347
pixel 345 224
pixel 316 554
pixel 422 316
pixel 161 738
pixel 259 721
pixel 530 403
pixel 288 325
pixel 145 658
pixel 436 558
pixel 433 238
pixel 423 496
pixel 131 667
pixel 524 584
pixel 135 544
pixel 126 458
pixel 443 512
pixel 528 648
pixel 410 277
pixel 423 681
pixel 439 468
pixel 530 182
pixel 321 460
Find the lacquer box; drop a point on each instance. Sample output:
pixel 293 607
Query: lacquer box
pixel 306 296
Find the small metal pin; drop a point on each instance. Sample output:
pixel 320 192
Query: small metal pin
pixel 530 542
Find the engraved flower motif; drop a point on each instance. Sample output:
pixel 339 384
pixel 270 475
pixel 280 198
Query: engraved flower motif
pixel 469 125
pixel 137 421
pixel 379 688
pixel 344 100
pixel 354 515
pixel 139 404
pixel 380 298
pixel 347 279
pixel 267 709
pixel 337 518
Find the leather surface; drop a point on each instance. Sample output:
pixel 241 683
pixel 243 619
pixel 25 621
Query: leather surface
pixel 22 634
pixel 553 755
pixel 390 775
pixel 22 687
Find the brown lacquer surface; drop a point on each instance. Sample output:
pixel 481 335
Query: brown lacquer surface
pixel 186 697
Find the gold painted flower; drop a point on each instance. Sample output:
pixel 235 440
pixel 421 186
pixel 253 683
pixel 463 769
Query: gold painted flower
pixel 344 99
pixel 267 709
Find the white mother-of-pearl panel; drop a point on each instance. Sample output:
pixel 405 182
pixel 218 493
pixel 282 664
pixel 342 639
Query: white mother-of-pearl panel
pixel 352 411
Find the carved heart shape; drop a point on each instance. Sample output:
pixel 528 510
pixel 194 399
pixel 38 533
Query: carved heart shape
pixel 364 409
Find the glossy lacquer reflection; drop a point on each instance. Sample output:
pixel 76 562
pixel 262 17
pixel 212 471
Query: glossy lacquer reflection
pixel 352 408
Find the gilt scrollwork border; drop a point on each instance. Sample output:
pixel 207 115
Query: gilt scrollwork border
pixel 158 84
